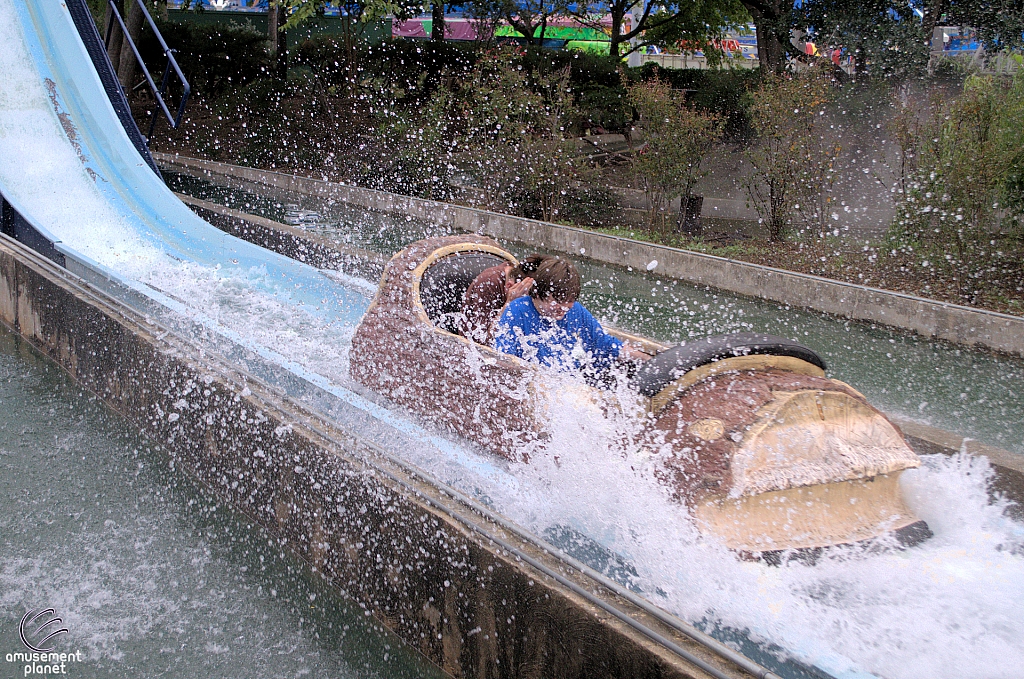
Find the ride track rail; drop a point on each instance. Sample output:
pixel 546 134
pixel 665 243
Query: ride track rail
pixel 97 51
pixel 402 472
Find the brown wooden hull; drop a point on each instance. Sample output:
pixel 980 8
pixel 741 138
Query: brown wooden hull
pixel 765 452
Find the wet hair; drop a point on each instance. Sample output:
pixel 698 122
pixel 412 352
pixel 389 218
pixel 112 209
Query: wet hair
pixel 556 278
pixel 527 267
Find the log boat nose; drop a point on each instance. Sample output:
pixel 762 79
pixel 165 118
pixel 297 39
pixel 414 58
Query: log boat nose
pixel 816 469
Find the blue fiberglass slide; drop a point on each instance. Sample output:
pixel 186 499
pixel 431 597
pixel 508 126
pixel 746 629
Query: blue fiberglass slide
pixel 133 192
pixel 78 113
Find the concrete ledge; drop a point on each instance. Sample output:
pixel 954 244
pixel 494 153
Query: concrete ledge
pixel 291 241
pixel 462 589
pixel 950 322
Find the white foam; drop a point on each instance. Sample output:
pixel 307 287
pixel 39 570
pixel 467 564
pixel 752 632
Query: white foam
pixel 948 607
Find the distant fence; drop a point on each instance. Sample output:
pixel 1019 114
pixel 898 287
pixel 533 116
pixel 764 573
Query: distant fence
pixel 374 32
pixel 691 61
pixel 1002 63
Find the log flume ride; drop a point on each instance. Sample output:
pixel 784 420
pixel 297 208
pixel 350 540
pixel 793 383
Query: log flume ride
pixel 764 451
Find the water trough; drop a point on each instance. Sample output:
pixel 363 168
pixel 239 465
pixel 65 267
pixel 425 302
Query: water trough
pixel 929 318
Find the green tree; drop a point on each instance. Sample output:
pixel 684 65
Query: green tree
pixel 962 209
pixel 885 32
pixel 529 17
pixel 1000 23
pixel 660 23
pixel 774 20
pixel 698 25
pixel 794 164
pixel 677 140
pixel 355 15
pixel 300 11
pixel 888 36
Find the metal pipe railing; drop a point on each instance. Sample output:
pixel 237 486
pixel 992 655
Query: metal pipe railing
pixel 172 63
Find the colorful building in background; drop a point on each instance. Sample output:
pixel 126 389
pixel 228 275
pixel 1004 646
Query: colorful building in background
pixel 739 46
pixel 560 33
pixel 455 28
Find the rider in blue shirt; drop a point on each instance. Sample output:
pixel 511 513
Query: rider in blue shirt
pixel 551 328
pixel 573 341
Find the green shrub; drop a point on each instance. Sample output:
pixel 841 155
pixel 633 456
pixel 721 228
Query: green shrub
pixel 411 68
pixel 600 99
pixel 261 104
pixel 678 139
pixel 416 154
pixel 514 132
pixel 586 204
pixel 503 127
pixel 962 209
pixel 725 93
pixel 410 71
pixel 794 156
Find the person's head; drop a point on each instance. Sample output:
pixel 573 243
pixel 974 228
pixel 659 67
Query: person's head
pixel 526 268
pixel 556 287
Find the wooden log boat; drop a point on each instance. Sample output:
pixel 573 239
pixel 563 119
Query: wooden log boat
pixel 763 450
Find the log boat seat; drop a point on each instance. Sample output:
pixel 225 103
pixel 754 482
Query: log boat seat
pixel 444 285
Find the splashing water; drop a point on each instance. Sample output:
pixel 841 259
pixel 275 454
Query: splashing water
pixel 949 607
pixel 972 393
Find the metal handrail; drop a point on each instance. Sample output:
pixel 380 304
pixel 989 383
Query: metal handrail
pixel 158 94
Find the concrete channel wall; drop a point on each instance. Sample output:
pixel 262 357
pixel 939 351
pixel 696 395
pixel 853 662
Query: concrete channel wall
pixel 472 596
pixel 950 322
pixel 291 241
